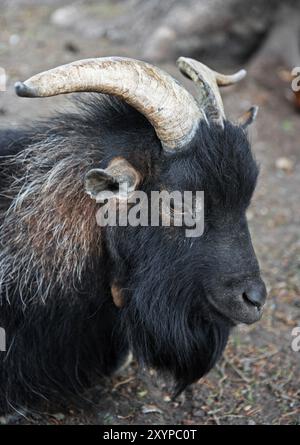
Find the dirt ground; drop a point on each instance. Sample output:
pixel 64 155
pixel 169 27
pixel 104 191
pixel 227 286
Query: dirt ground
pixel 258 379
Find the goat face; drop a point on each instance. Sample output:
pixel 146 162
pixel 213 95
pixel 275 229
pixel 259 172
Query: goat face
pixel 181 295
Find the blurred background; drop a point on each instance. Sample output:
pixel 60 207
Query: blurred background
pixel 258 379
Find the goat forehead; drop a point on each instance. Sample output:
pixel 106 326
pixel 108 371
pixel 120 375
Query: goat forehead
pixel 221 177
pixel 206 163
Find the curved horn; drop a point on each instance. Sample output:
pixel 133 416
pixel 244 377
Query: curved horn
pixel 169 107
pixel 208 82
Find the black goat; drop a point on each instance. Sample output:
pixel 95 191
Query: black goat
pixel 76 297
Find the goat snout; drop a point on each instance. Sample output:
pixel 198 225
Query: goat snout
pixel 256 295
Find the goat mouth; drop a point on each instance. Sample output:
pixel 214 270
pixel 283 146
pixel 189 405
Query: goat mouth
pixel 237 310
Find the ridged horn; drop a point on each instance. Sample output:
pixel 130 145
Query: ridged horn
pixel 169 107
pixel 208 81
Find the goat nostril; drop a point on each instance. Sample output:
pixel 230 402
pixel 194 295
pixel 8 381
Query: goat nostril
pixel 249 300
pixel 255 296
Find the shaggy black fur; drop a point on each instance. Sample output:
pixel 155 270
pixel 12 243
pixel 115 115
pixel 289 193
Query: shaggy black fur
pixel 58 346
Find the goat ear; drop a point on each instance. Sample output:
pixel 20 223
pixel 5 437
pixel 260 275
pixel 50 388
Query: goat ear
pixel 116 181
pixel 248 117
pixel 98 182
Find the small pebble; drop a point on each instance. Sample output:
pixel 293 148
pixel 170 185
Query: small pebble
pixel 65 16
pixel 285 164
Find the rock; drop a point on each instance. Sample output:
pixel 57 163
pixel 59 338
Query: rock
pixel 66 16
pixel 285 164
